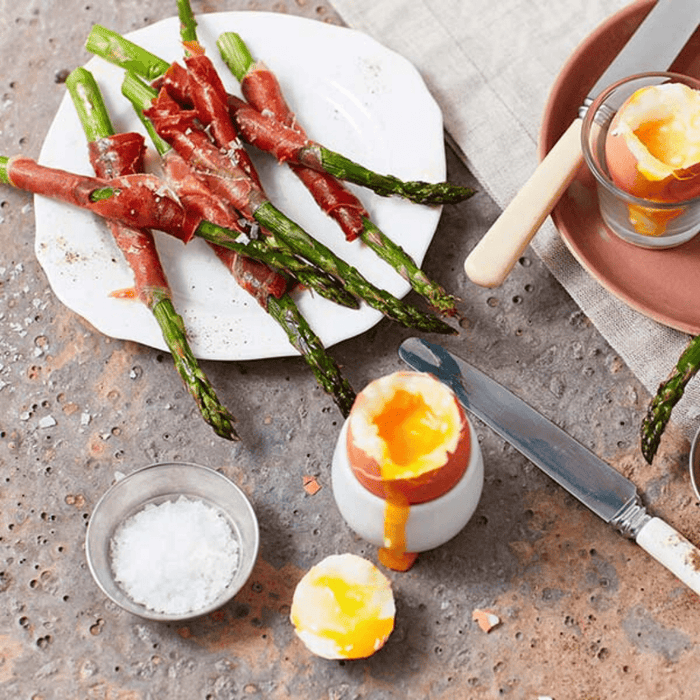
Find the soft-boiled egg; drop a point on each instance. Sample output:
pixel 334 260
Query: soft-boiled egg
pixel 407 429
pixel 408 442
pixel 653 145
pixel 343 608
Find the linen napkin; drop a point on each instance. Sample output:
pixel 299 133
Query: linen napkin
pixel 490 66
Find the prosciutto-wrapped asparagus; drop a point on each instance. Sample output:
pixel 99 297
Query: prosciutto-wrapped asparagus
pixel 331 195
pixel 114 48
pixel 282 308
pixel 112 155
pixel 181 128
pixel 263 93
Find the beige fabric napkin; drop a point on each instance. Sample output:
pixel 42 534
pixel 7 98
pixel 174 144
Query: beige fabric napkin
pixel 490 64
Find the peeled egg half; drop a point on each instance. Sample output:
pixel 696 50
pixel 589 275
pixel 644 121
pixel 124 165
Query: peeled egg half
pixel 343 608
pixel 653 146
pixel 407 429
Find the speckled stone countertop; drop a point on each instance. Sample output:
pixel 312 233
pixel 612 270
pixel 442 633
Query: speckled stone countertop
pixel 582 613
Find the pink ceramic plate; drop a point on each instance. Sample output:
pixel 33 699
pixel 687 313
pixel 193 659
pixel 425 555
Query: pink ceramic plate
pixel 662 284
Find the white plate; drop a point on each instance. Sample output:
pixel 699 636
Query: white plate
pixel 352 94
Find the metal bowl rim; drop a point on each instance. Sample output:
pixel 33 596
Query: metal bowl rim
pixel 694 463
pixel 140 610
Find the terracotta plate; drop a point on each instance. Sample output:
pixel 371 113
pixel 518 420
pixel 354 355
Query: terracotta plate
pixel 659 283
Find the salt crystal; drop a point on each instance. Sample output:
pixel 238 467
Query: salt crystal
pixel 47 422
pixel 176 557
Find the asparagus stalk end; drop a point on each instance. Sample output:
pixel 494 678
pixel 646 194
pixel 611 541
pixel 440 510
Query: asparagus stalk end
pixel 235 54
pixel 121 52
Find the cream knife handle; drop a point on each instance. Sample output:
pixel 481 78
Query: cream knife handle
pixel 494 256
pixel 672 550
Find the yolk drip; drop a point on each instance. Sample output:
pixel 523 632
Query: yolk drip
pixel 649 221
pixel 410 429
pixel 396 511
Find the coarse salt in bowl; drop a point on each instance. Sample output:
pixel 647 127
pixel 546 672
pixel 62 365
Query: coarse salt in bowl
pixel 172 541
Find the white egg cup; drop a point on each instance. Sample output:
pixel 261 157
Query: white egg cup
pixel 429 524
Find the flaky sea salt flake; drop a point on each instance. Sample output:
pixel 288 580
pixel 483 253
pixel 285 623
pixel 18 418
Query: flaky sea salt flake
pixel 47 422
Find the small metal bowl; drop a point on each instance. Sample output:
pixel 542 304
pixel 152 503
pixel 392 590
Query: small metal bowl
pixel 156 484
pixel 695 463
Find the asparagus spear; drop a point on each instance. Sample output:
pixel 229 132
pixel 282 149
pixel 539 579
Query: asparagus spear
pixel 114 48
pixel 310 347
pixel 286 313
pixel 266 96
pixel 151 282
pixel 292 234
pixel 284 261
pixel 179 129
pixel 667 396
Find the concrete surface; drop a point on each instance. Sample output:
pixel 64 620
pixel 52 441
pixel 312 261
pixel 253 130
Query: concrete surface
pixel 584 614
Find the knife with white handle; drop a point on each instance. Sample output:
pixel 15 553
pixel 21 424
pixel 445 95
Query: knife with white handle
pixel 596 484
pixel 653 47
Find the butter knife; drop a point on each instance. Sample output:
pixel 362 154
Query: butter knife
pixel 593 482
pixel 653 47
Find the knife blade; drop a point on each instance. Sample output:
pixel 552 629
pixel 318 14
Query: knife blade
pixel 654 45
pixel 602 489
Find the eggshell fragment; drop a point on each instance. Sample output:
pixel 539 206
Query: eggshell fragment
pixel 486 619
pixel 408 428
pixel 311 485
pixel 343 608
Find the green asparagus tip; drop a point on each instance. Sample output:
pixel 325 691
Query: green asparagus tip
pixel 435 193
pixel 416 191
pixel 668 394
pixel 324 367
pixel 193 378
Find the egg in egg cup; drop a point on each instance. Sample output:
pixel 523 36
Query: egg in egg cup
pixel 641 141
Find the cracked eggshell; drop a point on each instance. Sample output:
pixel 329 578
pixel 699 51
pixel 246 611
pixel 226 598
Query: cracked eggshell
pixel 652 148
pixel 414 426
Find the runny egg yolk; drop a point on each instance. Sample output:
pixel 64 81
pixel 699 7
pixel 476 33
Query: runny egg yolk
pixel 343 608
pixel 410 429
pixel 653 151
